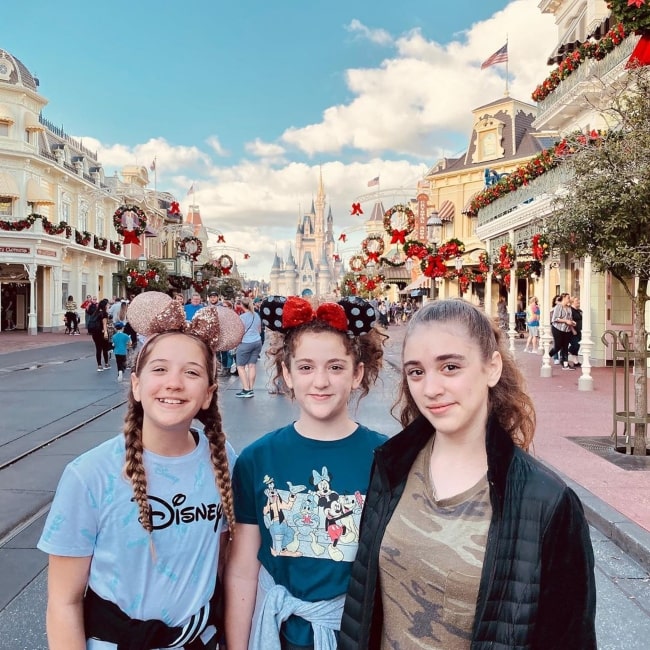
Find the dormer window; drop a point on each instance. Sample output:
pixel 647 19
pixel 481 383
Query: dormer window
pixel 6 206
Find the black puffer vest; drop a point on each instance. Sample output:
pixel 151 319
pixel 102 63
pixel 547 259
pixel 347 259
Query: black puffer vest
pixel 537 586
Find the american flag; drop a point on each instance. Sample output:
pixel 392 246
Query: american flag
pixel 191 190
pixel 373 182
pixel 500 56
pixel 152 167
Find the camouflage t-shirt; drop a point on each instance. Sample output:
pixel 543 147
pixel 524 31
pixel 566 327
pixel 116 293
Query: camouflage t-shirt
pixel 430 563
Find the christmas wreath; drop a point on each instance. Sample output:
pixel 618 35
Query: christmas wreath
pixel 82 238
pixel 192 246
pixel 101 243
pixel 398 235
pixel 357 263
pixel 415 248
pixel 373 246
pixel 541 247
pixel 451 248
pixel 115 247
pixel 225 263
pixel 131 230
pixel 433 266
pixel 53 228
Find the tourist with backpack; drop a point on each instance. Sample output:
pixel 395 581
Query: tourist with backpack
pixel 98 329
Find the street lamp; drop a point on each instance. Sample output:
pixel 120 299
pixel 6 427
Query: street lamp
pixel 142 263
pixel 434 230
pixel 199 276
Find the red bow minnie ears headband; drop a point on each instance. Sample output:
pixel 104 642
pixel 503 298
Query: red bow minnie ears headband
pixel 352 315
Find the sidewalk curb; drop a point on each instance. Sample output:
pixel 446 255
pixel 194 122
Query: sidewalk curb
pixel 628 536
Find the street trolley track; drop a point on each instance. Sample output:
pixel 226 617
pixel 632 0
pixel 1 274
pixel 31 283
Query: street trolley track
pixel 44 443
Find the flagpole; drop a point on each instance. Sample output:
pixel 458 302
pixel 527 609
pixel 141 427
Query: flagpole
pixel 507 73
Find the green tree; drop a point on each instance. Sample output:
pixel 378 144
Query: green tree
pixel 605 212
pixel 229 287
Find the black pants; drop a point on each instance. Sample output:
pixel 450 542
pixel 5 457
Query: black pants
pixel 121 362
pixel 71 321
pixel 101 347
pixel 560 344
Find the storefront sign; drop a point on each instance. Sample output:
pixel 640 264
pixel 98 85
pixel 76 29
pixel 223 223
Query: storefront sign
pixel 14 249
pixel 421 217
pixel 46 252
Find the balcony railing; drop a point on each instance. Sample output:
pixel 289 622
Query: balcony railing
pixel 547 183
pixel 589 70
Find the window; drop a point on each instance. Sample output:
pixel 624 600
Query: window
pixel 65 212
pixel 4 129
pixel 83 216
pixel 6 206
pixel 100 225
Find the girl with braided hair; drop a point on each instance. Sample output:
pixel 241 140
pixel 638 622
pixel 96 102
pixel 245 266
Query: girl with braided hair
pixel 138 523
pixel 299 490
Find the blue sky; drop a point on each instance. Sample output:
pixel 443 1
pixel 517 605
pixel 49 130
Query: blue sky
pixel 249 100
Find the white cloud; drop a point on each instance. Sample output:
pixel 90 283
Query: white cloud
pixel 215 145
pixel 428 90
pixel 378 36
pixel 261 149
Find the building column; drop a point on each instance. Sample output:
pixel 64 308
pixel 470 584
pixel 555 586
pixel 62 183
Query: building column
pixel 57 308
pixel 544 322
pixel 488 282
pixel 32 327
pixel 512 299
pixel 586 381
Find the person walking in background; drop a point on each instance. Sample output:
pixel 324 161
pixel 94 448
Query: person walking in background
pixel 121 345
pixel 98 329
pixel 91 305
pixel 193 307
pixel 124 570
pixel 248 351
pixel 502 313
pixel 532 323
pixel 561 326
pixel 9 316
pixel 71 317
pixel 299 490
pixel 576 333
pixel 466 540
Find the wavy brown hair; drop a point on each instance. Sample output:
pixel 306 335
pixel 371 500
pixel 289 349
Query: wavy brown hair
pixel 211 419
pixel 366 349
pixel 508 401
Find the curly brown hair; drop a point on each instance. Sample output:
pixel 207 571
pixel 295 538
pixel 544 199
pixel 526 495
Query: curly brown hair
pixel 508 401
pixel 211 419
pixel 366 349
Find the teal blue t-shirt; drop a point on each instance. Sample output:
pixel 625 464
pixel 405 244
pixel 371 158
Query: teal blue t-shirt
pixel 121 342
pixel 306 496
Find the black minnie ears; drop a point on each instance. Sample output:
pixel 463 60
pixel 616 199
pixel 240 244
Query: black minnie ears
pixel 352 315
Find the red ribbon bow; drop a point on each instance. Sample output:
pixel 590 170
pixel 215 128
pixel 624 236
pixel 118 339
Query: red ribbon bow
pixel 398 237
pixel 246 256
pixel 221 239
pixel 174 208
pixel 298 311
pixel 342 237
pixel 356 209
pixel 373 257
pixel 131 237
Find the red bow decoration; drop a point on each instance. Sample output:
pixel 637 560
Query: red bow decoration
pixel 356 209
pixel 246 256
pixel 372 257
pixel 435 267
pixel 175 208
pixel 641 53
pixel 398 237
pixel 342 237
pixel 221 239
pixel 337 257
pixel 298 311
pixel 131 237
pixel 225 270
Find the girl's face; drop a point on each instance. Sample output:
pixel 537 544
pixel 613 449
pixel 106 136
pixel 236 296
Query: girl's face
pixel 448 379
pixel 322 375
pixel 172 384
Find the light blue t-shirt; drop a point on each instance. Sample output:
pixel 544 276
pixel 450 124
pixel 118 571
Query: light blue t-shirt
pixel 252 326
pixel 306 496
pixel 94 514
pixel 121 343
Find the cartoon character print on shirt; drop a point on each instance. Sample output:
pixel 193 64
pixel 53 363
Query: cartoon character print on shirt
pixel 307 523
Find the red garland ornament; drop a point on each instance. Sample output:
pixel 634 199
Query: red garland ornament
pixel 221 239
pixel 433 266
pixel 130 221
pixel 225 263
pixel 356 209
pixel 416 249
pixel 343 237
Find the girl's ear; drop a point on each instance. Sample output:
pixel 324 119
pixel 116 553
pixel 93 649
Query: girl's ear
pixel 358 375
pixel 287 376
pixel 494 368
pixel 135 387
pixel 208 397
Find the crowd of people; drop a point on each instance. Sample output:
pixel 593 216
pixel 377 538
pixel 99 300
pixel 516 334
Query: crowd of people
pixel 322 533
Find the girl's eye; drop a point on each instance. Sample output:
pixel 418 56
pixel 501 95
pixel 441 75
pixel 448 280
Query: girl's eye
pixel 449 367
pixel 414 372
pixel 336 367
pixel 194 373
pixel 304 368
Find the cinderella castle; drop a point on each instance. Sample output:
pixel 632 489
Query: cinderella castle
pixel 312 269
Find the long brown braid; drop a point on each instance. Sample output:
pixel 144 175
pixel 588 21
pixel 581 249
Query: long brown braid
pixel 211 419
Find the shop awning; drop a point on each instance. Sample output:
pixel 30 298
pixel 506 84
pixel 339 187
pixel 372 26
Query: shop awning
pixel 419 283
pixel 8 186
pixel 37 194
pixel 6 115
pixel 32 123
pixel 446 212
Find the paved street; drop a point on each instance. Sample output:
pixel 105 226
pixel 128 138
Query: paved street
pixel 52 390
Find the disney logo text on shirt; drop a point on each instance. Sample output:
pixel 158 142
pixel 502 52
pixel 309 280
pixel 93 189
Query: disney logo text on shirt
pixel 172 513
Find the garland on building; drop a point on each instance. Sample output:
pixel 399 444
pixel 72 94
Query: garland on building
pixel 395 263
pixel 540 247
pixel 100 243
pixel 225 263
pixel 465 277
pixel 506 260
pixel 634 14
pixel 398 236
pixel 82 237
pixel 373 246
pixel 192 246
pixel 179 282
pixel 133 228
pixel 200 286
pixel 544 161
pixel 49 227
pixel 451 248
pixel 153 278
pixel 115 247
pixel 573 60
pixel 483 263
pixel 530 270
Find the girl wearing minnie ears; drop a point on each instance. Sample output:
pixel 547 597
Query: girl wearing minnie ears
pixel 299 490
pixel 138 523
